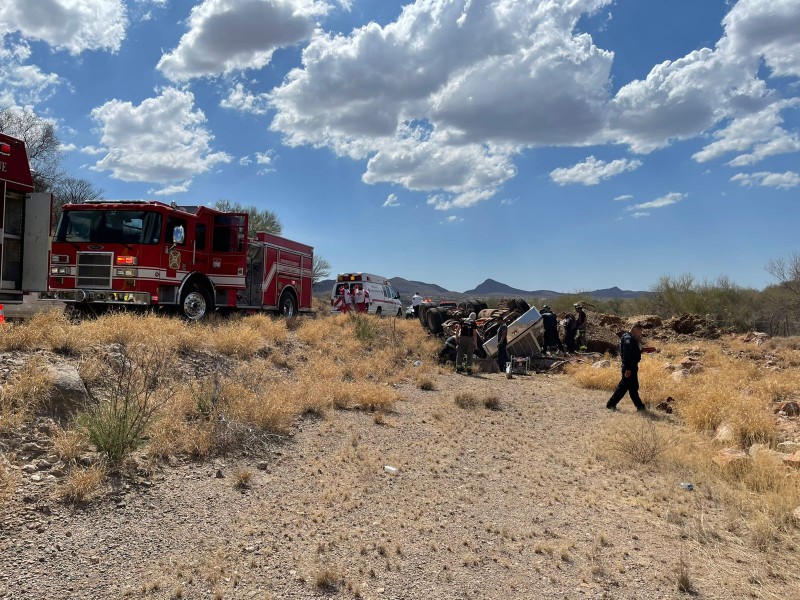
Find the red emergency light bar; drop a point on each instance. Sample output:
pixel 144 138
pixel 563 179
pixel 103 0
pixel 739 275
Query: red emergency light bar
pixel 126 260
pixel 5 149
pixel 349 278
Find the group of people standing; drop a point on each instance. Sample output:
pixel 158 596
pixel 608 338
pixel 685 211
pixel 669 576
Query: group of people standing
pixel 358 300
pixel 574 330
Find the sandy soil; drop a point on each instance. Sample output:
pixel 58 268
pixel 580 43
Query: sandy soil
pixel 507 503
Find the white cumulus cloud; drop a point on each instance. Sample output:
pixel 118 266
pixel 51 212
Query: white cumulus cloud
pixel 232 35
pixel 71 25
pixel 241 99
pixel 592 171
pixel 469 85
pixel 624 197
pixel 162 140
pixel 661 202
pixel 783 181
pixel 22 84
pixel 391 201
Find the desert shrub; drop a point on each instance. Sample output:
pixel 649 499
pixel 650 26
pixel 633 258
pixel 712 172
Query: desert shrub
pixel 242 478
pixel 636 439
pixel 23 394
pixel 122 404
pixel 328 580
pixel 467 400
pixel 491 402
pixel 69 444
pixel 81 484
pixel 426 384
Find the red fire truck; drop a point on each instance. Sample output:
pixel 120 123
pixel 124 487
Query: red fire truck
pixel 24 225
pixel 196 259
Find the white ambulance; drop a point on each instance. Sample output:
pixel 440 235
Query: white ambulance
pixel 383 298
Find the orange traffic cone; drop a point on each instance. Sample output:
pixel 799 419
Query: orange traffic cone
pixel 2 315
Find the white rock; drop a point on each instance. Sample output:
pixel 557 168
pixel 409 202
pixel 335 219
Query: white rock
pixel 724 434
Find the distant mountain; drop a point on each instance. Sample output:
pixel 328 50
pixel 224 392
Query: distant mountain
pixel 489 288
pixel 615 293
pixel 323 287
pixel 407 288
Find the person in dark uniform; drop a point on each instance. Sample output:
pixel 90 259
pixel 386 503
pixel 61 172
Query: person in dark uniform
pixel 631 353
pixel 467 340
pixel 570 333
pixel 580 325
pixel 502 342
pixel 550 330
pixel 448 351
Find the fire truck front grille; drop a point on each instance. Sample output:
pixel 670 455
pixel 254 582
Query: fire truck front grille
pixel 94 270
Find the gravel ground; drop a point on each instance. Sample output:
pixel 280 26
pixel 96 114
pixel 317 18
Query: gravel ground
pixel 506 503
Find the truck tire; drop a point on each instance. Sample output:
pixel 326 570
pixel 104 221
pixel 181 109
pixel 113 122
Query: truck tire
pixel 378 311
pixel 434 318
pixel 287 307
pixel 423 309
pixel 196 303
pixel 522 305
pixel 399 313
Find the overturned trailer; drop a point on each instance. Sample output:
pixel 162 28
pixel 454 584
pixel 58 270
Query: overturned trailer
pixel 522 336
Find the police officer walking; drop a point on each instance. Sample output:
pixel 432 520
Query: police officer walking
pixel 631 354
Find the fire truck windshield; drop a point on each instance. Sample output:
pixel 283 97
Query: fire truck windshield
pixel 110 226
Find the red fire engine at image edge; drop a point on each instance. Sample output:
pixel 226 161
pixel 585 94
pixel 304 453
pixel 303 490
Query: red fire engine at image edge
pixel 141 253
pixel 24 225
pixel 197 259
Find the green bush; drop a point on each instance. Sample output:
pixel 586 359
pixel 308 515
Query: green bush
pixel 121 400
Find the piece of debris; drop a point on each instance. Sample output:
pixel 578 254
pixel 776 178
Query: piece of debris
pixel 666 405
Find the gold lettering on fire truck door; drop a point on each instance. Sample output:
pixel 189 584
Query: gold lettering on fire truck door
pixel 174 259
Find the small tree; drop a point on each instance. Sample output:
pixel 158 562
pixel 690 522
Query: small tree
pixel 259 220
pixel 70 190
pixel 41 141
pixel 320 269
pixel 787 272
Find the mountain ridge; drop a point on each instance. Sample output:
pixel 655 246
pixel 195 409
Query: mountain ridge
pixel 488 288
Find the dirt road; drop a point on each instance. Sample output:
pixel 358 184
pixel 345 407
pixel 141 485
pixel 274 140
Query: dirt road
pixel 506 503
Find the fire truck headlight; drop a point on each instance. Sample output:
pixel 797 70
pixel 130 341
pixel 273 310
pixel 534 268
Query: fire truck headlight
pixel 126 272
pixel 59 270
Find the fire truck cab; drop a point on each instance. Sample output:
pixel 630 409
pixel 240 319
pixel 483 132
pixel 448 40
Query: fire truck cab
pixel 193 258
pixel 24 225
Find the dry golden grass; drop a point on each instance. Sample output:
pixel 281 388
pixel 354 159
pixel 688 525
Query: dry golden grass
pixel 331 362
pixel 23 394
pixel 242 479
pixel 69 444
pixel 467 400
pixel 728 389
pixel 635 438
pixel 81 485
pixel 733 388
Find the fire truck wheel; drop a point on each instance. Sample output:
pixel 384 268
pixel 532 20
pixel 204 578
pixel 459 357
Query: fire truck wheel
pixel 196 303
pixel 288 305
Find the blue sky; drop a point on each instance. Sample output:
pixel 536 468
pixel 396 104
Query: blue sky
pixel 545 144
